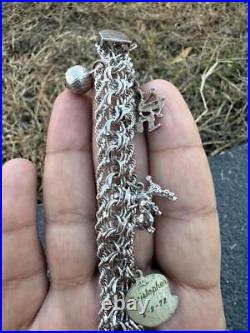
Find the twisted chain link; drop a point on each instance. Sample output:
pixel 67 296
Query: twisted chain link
pixel 116 183
pixel 124 203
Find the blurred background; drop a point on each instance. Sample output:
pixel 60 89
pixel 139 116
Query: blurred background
pixel 200 47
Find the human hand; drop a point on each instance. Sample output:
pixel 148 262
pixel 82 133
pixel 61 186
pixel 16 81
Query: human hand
pixel 185 246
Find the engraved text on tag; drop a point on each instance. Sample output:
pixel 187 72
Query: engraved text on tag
pixel 155 303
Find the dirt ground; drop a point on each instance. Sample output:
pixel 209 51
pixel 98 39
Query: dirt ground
pixel 200 47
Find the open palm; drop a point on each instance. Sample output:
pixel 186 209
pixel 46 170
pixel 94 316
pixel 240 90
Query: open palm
pixel 185 246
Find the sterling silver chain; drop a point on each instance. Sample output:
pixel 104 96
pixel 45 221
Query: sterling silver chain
pixel 124 203
pixel 116 182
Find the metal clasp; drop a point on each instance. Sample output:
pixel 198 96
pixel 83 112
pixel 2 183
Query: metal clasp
pixel 114 37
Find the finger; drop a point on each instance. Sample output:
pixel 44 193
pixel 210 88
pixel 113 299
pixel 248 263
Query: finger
pixel 187 236
pixel 23 262
pixel 69 193
pixel 144 240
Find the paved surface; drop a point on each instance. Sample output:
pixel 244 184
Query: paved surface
pixel 230 177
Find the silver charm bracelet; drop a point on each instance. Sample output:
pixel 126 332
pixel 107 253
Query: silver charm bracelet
pixel 124 203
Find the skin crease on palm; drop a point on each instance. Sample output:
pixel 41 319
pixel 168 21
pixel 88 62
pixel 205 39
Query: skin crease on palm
pixel 185 247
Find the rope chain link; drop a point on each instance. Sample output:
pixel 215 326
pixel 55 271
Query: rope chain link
pixel 124 203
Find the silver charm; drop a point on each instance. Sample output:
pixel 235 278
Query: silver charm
pixel 124 203
pixel 154 301
pixel 146 206
pixel 149 108
pixel 79 79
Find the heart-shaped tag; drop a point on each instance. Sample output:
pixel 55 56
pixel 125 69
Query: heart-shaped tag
pixel 150 302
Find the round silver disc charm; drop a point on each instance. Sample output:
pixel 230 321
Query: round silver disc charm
pixel 154 301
